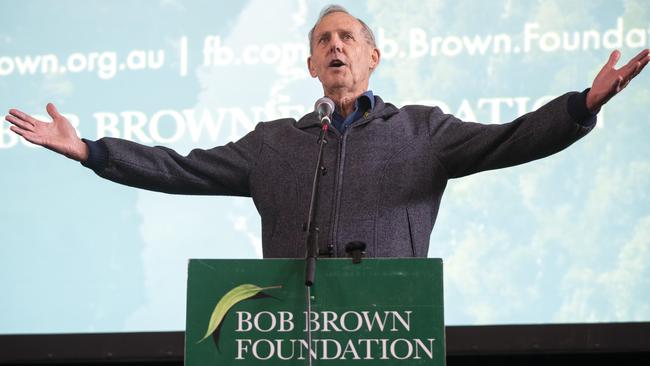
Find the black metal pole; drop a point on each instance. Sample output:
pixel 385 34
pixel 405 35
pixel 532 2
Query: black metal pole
pixel 312 235
pixel 312 227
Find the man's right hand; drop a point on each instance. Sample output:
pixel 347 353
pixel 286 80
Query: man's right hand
pixel 58 135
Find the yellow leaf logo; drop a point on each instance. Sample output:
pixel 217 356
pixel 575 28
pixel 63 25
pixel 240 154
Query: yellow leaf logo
pixel 234 296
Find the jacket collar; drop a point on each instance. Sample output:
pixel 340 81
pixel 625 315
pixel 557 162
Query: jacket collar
pixel 380 110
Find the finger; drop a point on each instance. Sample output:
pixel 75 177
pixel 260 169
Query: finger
pixel 27 135
pixel 638 67
pixel 17 130
pixel 636 71
pixel 19 123
pixel 629 71
pixel 641 55
pixel 24 116
pixel 51 110
pixel 643 65
pixel 613 58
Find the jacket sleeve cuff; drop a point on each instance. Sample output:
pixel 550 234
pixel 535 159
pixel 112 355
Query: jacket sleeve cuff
pixel 577 107
pixel 97 155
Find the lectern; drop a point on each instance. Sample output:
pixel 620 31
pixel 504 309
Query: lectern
pixel 377 312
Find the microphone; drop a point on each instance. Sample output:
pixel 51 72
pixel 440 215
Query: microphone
pixel 324 107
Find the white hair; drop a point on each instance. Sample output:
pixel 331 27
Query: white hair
pixel 370 37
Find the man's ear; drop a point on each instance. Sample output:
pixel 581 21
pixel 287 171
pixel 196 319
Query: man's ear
pixel 312 70
pixel 374 58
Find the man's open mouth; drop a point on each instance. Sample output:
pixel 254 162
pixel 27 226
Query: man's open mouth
pixel 336 63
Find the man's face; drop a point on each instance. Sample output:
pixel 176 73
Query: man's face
pixel 341 56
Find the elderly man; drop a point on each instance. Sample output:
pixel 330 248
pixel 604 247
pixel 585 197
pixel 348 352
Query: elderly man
pixel 387 167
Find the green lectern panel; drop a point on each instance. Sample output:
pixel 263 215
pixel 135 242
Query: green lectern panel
pixel 252 312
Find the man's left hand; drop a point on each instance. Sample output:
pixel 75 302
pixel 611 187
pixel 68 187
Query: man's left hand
pixel 611 81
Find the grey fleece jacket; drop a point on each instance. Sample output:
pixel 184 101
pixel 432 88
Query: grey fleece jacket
pixel 385 175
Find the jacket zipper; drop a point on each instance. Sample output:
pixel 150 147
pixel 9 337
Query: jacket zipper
pixel 337 191
pixel 339 179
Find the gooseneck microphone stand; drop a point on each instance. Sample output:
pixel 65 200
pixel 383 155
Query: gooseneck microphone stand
pixel 325 108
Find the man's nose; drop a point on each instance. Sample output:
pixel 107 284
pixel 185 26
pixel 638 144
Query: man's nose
pixel 336 45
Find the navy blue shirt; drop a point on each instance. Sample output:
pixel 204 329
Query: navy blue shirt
pixel 364 103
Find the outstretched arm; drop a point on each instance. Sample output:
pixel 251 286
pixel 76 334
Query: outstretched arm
pixel 611 81
pixel 58 135
pixel 223 170
pixel 466 148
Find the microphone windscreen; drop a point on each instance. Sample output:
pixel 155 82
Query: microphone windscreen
pixel 324 107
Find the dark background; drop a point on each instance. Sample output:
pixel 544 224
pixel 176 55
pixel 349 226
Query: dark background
pixel 561 344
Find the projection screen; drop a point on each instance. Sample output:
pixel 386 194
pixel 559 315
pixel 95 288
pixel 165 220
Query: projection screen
pixel 562 239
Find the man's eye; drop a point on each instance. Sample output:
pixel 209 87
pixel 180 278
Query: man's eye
pixel 347 36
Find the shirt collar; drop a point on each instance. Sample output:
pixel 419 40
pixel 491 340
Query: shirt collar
pixel 384 110
pixel 365 102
